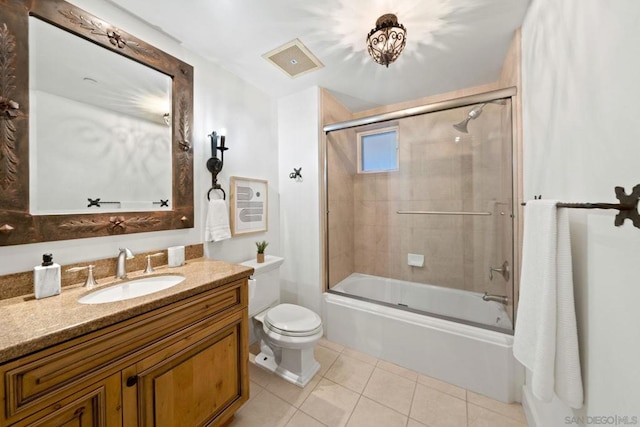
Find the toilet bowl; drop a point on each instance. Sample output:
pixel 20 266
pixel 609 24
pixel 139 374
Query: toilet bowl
pixel 288 333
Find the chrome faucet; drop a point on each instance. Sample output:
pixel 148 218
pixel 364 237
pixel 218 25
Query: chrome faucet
pixel 121 266
pixel 502 299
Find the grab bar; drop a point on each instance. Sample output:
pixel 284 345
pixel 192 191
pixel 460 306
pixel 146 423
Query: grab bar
pixel 441 213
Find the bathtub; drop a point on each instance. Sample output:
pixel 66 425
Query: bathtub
pixel 458 352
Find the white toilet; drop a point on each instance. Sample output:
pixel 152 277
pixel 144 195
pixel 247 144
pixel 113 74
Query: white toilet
pixel 288 333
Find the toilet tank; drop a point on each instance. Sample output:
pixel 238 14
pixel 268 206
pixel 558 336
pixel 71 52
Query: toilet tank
pixel 264 289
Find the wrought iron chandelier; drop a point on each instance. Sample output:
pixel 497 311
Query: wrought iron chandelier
pixel 386 41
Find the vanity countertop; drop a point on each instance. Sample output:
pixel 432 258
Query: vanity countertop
pixel 29 325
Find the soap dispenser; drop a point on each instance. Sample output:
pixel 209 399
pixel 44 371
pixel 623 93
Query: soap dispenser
pixel 46 278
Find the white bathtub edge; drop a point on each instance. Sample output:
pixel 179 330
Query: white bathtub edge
pixel 460 329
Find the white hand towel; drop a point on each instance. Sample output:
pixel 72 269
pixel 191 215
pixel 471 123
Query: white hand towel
pixel 546 338
pixel 217 227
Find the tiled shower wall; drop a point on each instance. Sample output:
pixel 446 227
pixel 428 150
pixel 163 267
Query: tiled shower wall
pixel 437 173
pixel 341 155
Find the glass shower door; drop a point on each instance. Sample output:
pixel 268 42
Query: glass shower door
pixel 434 233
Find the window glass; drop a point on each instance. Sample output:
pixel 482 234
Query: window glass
pixel 378 150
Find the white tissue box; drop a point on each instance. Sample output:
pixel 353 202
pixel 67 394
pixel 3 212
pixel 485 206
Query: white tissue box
pixel 176 256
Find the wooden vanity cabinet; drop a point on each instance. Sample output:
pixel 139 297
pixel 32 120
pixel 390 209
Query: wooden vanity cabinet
pixel 180 365
pixel 188 382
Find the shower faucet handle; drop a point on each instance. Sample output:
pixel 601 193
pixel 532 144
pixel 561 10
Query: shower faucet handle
pixel 504 270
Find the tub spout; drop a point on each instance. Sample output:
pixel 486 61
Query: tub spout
pixel 502 299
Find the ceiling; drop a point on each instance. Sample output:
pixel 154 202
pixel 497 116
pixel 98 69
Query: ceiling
pixel 451 44
pixel 71 67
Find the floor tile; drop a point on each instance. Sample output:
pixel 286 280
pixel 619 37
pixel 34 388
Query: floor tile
pixel 369 413
pixel 330 345
pixel 325 357
pixel 363 357
pixel 398 370
pixel 482 417
pixel 437 409
pixel 511 410
pixel 390 390
pixel 254 389
pixel 330 403
pixel 300 419
pixel 260 376
pixel 451 389
pixel 291 393
pixel 355 389
pixel 265 410
pixel 349 372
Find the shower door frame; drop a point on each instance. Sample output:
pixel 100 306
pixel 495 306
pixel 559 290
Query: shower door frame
pixel 516 183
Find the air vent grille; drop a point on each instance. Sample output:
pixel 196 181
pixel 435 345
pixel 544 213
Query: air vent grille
pixel 294 59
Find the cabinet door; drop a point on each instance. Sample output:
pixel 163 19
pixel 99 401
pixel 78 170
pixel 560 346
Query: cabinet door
pixel 199 380
pixel 97 405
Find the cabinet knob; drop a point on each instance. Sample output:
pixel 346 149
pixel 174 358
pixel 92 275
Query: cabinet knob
pixel 131 381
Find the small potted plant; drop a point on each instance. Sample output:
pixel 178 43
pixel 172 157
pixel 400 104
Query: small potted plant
pixel 261 247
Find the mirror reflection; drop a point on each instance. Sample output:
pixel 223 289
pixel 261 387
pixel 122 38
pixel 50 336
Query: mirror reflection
pixel 100 135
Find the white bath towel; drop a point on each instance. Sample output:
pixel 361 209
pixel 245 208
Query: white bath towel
pixel 217 227
pixel 546 339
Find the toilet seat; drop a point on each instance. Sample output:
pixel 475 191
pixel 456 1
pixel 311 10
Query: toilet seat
pixel 292 321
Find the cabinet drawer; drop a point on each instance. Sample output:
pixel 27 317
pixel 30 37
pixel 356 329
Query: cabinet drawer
pixel 98 405
pixel 30 381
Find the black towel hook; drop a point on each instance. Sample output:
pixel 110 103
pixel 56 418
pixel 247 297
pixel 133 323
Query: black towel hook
pixel 297 173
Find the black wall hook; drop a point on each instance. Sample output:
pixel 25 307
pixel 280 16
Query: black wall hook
pixel 297 173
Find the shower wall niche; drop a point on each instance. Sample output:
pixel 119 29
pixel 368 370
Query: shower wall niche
pixel 450 201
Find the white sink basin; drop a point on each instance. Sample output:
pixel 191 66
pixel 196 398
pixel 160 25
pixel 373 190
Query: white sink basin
pixel 131 289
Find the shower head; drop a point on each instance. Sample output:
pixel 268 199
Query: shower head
pixel 472 115
pixel 462 126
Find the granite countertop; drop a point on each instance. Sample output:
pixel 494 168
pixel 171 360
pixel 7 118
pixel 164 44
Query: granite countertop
pixel 29 325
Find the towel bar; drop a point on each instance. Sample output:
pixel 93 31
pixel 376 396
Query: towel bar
pixel 440 213
pixel 628 206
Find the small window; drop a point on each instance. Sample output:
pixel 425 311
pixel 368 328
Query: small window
pixel 378 150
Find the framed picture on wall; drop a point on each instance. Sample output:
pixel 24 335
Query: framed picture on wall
pixel 249 205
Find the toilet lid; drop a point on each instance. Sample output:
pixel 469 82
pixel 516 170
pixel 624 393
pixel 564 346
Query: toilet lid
pixel 290 319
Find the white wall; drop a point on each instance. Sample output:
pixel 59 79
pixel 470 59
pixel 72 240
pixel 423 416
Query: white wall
pixel 221 100
pixel 581 139
pixel 67 145
pixel 298 130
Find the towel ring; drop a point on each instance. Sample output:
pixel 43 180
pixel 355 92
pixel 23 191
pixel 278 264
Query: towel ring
pixel 224 195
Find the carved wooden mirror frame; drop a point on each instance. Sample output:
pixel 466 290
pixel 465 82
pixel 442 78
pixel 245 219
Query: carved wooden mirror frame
pixel 17 225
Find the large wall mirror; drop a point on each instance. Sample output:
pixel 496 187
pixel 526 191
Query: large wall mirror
pixel 94 128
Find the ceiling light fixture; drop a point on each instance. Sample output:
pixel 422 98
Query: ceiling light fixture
pixel 386 41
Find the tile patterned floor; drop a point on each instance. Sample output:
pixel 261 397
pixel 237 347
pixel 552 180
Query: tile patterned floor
pixel 354 389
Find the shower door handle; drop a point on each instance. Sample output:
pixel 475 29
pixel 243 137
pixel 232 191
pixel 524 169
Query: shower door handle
pixel 504 270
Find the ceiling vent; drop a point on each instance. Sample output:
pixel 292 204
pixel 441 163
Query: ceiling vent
pixel 294 59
